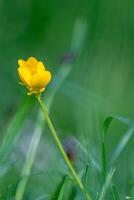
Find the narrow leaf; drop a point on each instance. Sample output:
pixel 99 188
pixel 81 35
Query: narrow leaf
pixel 63 188
pixel 115 193
pixel 106 185
pixel 13 132
pixel 121 145
pixel 106 124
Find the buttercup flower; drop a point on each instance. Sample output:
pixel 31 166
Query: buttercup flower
pixel 33 75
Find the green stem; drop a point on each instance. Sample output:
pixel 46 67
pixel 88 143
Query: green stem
pixel 59 145
pixel 29 159
pixel 104 165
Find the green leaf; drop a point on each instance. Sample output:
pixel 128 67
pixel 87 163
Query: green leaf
pixel 93 162
pixel 104 164
pixel 125 138
pixel 60 188
pixel 85 180
pixel 13 131
pixel 45 196
pixel 5 166
pixel 63 188
pixel 106 124
pixel 121 145
pixel 115 193
pixel 106 184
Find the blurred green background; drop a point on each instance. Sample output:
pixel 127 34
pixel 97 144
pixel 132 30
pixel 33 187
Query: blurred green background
pixel 92 38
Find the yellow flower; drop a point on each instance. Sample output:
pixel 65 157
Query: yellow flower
pixel 33 75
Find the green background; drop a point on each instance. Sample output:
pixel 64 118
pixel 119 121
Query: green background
pixel 98 35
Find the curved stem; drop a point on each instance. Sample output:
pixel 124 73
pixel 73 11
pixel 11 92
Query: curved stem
pixel 59 145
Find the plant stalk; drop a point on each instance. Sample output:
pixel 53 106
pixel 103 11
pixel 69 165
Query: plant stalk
pixel 29 160
pixel 60 147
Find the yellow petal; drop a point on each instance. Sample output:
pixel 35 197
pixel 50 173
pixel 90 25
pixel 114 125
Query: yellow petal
pixel 25 76
pixel 32 61
pixel 40 80
pixel 47 77
pixel 31 64
pixel 40 67
pixel 22 63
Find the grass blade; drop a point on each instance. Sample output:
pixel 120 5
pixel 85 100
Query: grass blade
pixel 13 132
pixel 4 167
pixel 95 164
pixel 106 125
pixel 124 140
pixel 85 179
pixel 106 184
pixel 63 188
pixel 121 145
pixel 115 193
